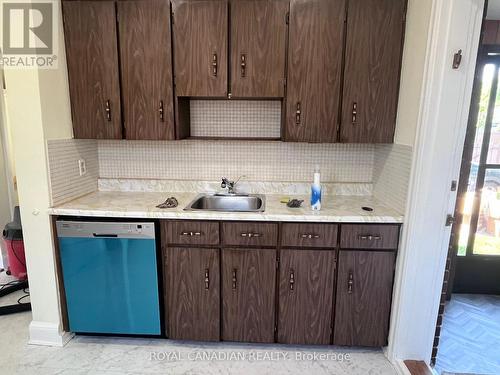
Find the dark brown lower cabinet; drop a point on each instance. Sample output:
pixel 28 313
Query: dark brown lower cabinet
pixel 193 294
pixel 248 290
pixel 364 291
pixel 306 288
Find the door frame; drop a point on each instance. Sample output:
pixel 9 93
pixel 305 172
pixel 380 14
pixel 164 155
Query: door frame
pixel 441 127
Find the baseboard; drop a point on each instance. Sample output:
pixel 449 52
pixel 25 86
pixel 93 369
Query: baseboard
pixel 48 334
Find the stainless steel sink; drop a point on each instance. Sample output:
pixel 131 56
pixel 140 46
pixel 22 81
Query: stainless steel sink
pixel 227 203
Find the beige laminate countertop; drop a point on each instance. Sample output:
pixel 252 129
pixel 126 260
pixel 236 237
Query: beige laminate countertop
pixel 143 205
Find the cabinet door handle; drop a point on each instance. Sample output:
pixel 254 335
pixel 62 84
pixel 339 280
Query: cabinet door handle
pixel 309 236
pixel 354 112
pixel 214 64
pixel 298 114
pixel 243 64
pixel 108 110
pixel 369 237
pixel 250 235
pixel 191 234
pixel 292 279
pixel 235 280
pixel 350 283
pixel 207 279
pixel 160 111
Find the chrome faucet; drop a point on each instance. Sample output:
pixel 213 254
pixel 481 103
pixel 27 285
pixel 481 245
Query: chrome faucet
pixel 230 185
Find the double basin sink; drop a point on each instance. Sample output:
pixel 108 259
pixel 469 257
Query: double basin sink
pixel 228 203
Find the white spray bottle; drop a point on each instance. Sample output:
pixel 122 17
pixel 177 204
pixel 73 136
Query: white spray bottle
pixel 316 190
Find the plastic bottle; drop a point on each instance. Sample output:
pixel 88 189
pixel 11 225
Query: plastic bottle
pixel 316 190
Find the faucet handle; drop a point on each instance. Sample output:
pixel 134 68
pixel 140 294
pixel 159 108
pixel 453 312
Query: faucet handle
pixel 224 182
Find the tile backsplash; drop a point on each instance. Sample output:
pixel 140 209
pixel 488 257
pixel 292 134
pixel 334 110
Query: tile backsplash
pixel 235 118
pixel 256 160
pixel 65 180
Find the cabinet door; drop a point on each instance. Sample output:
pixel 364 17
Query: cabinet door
pixel 314 70
pixel 92 55
pixel 200 47
pixel 364 291
pixel 192 294
pixel 146 66
pixel 248 289
pixel 258 39
pixel 306 288
pixel 372 68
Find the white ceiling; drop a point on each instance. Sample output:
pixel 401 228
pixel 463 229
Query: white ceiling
pixel 493 10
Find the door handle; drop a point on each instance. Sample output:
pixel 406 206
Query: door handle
pixel 191 234
pixel 108 110
pixel 250 235
pixel 235 280
pixel 350 283
pixel 160 111
pixel 309 236
pixel 214 64
pixel 292 279
pixel 354 112
pixel 298 114
pixel 243 65
pixel 207 279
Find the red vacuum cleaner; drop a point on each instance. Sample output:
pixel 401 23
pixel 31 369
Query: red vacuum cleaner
pixel 13 241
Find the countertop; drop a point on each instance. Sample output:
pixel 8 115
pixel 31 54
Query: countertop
pixel 335 208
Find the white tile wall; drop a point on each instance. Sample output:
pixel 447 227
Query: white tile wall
pixel 65 180
pixel 236 118
pixel 391 174
pixel 257 160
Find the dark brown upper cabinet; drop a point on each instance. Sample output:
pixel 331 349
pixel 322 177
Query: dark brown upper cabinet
pixel 146 69
pixel 375 31
pixel 364 291
pixel 314 70
pixel 306 289
pixel 200 47
pixel 258 44
pixel 248 290
pixel 92 56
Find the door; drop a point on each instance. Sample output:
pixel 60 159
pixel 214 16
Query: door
pixel 248 289
pixel 192 295
pixel 92 55
pixel 200 47
pixel 374 44
pixel 258 42
pixel 315 49
pixel 146 68
pixel 476 240
pixel 306 288
pixel 364 292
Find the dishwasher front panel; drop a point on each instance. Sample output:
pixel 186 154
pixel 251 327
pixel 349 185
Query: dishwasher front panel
pixel 110 277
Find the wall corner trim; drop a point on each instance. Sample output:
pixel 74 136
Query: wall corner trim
pixel 48 334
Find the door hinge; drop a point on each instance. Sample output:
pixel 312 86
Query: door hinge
pixel 450 220
pixel 172 18
pixel 457 59
pixel 277 263
pixel 284 82
pixel 275 328
pixel 454 185
pixel 287 18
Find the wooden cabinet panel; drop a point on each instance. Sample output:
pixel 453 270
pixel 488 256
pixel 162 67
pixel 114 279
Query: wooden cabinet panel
pixel 306 288
pixel 92 55
pixel 370 236
pixel 200 47
pixel 146 67
pixel 316 33
pixel 191 232
pixel 258 42
pixel 364 292
pixel 193 294
pixel 372 68
pixel 250 234
pixel 248 289
pixel 309 235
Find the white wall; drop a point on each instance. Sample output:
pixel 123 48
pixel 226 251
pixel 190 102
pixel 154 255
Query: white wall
pixel 417 29
pixel 38 109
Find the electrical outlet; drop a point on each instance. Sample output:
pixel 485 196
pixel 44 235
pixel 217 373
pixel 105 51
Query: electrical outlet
pixel 82 168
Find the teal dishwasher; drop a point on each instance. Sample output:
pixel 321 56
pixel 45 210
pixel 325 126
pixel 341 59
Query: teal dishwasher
pixel 110 275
